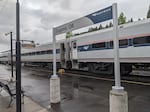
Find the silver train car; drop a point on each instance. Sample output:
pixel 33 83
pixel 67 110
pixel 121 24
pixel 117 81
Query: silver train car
pixel 94 51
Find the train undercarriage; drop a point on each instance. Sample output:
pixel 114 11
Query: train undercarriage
pixel 102 68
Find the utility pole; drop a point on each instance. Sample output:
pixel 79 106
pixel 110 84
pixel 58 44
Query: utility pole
pixel 18 62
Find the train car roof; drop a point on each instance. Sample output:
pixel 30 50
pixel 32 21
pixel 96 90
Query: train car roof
pixel 110 29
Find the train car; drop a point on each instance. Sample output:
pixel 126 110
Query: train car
pixel 5 57
pixel 94 51
pixel 41 55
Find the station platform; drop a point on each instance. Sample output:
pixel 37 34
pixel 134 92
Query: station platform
pixel 28 106
pixel 78 102
pixel 91 95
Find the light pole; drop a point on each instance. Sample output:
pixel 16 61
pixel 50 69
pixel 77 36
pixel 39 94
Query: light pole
pixel 18 62
pixel 11 48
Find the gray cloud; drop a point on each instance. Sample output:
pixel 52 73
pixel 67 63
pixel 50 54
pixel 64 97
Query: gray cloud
pixel 7 18
pixel 38 16
pixel 65 4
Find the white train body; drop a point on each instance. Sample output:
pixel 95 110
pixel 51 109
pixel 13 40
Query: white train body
pixel 129 52
pixel 94 50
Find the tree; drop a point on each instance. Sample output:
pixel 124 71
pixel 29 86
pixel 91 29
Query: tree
pixel 100 27
pixel 121 19
pixel 95 29
pixel 107 26
pixel 69 34
pixel 110 24
pixel 130 21
pixel 148 13
pixel 90 29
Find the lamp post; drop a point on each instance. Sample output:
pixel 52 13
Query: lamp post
pixel 18 62
pixel 11 48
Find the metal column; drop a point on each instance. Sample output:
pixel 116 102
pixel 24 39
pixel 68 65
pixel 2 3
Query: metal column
pixel 116 49
pixel 11 44
pixel 54 54
pixel 18 61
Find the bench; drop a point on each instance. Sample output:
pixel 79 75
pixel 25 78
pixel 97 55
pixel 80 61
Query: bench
pixel 11 92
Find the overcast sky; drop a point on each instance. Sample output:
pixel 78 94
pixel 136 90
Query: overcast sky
pixel 39 16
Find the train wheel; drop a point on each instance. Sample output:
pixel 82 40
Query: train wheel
pixel 68 65
pixel 90 67
pixel 125 69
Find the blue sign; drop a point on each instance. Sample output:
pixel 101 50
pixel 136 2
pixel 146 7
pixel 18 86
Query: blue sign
pixel 96 17
pixel 101 15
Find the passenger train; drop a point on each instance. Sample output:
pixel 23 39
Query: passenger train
pixel 94 51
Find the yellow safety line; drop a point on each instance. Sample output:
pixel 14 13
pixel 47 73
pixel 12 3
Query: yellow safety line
pixel 134 82
pixel 100 78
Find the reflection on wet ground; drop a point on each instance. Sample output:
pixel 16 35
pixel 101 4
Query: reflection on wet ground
pixel 79 94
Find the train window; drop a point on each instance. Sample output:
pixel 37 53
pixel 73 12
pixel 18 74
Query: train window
pixel 43 52
pixel 33 53
pixel 38 53
pixel 141 40
pixel 62 46
pixel 123 42
pixel 111 43
pixel 98 45
pixel 49 51
pixel 74 45
pixel 57 51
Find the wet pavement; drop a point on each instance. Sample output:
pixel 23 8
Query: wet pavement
pixel 79 94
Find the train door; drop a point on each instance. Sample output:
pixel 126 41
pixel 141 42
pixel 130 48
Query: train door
pixel 74 50
pixel 62 54
pixel 74 54
pixel 67 51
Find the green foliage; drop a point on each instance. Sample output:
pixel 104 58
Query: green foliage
pixel 69 34
pixel 130 21
pixel 148 13
pixel 92 29
pixel 100 27
pixel 110 24
pixel 121 19
pixel 107 26
pixel 139 19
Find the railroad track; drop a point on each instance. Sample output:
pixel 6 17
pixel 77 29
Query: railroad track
pixel 131 79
